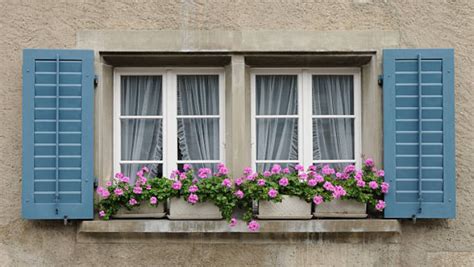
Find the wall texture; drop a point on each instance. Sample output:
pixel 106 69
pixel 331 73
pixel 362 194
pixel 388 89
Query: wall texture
pixel 54 24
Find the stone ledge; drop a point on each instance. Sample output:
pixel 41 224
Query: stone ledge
pixel 219 226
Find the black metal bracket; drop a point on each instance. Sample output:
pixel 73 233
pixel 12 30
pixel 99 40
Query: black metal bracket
pixel 380 80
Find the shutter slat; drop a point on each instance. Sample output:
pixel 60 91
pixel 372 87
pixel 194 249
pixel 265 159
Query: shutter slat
pixel 419 133
pixel 57 134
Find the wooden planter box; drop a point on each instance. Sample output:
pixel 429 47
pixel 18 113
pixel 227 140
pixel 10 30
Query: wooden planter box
pixel 179 209
pixel 290 208
pixel 142 211
pixel 338 208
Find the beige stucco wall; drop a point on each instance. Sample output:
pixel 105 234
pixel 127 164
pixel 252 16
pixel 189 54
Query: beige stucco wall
pixel 55 24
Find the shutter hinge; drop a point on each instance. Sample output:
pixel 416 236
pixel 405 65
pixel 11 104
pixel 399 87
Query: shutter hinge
pixel 96 81
pixel 96 182
pixel 65 220
pixel 380 80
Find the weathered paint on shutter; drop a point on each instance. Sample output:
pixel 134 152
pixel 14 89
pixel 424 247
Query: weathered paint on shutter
pixel 58 89
pixel 419 147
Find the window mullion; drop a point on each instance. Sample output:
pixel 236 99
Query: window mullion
pixel 307 119
pixel 171 129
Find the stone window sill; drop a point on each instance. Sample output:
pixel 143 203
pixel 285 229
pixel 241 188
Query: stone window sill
pixel 163 226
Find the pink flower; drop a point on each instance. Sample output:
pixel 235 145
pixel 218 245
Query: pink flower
pixel 140 173
pixel 312 168
pixel 99 190
pixel 312 182
pixel 204 173
pixel 187 167
pixel 248 171
pixel 143 180
pixel 272 193
pixel 101 213
pixel 148 187
pixel 193 188
pixel 108 183
pixel 174 173
pixel 380 205
pixel 373 185
pixel 222 171
pixel 360 183
pixel 327 170
pixel 276 169
pixel 252 176
pixel 358 175
pixel 239 181
pixel 182 176
pixel 125 179
pixel 299 168
pixel 137 190
pixel 177 185
pixel 239 194
pixel 338 192
pixel 283 181
pixel 253 226
pixel 267 173
pixel 145 169
pixel 227 183
pixel 233 222
pixel 153 200
pixel 286 170
pixel 349 169
pixel 328 186
pixel 338 175
pixel 132 202
pixel 119 175
pixel 380 173
pixel 317 200
pixel 369 162
pixel 319 178
pixel 261 182
pixel 105 193
pixel 303 176
pixel 118 191
pixel 193 198
pixel 384 187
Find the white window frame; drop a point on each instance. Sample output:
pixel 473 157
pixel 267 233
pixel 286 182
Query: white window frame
pixel 305 113
pixel 169 114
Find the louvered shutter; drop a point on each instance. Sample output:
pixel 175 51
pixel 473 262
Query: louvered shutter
pixel 58 89
pixel 419 158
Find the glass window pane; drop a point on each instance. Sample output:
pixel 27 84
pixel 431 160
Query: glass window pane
pixel 277 139
pixel 333 139
pixel 141 139
pixel 141 95
pixel 198 95
pixel 276 94
pixel 198 139
pixel 333 95
pixel 130 170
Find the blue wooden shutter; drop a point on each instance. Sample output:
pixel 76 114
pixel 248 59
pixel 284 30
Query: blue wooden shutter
pixel 419 158
pixel 58 90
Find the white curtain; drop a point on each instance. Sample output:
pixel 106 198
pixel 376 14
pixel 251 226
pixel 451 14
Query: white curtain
pixel 277 138
pixel 141 138
pixel 198 138
pixel 333 138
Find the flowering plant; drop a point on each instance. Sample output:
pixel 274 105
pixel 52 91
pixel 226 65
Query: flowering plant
pixel 206 186
pixel 120 193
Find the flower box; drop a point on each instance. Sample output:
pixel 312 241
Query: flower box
pixel 290 208
pixel 338 208
pixel 179 209
pixel 142 211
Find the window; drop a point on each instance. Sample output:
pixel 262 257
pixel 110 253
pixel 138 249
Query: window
pixel 165 118
pixel 305 116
